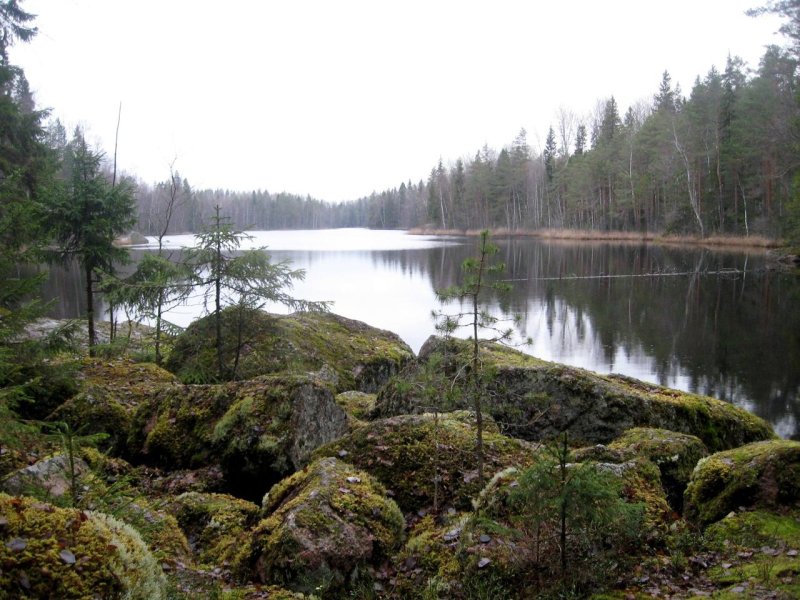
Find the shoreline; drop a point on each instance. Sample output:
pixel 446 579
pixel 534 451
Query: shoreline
pixel 579 235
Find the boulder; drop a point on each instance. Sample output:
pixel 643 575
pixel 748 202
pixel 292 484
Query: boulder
pixel 348 354
pixel 216 525
pixel 51 478
pixel 323 526
pixel 258 431
pixel 409 454
pixel 759 475
pixel 537 400
pixel 50 552
pixel 110 391
pixel 675 455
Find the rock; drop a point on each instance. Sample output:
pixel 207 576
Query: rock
pixel 216 525
pixel 313 533
pixel 49 478
pixel 347 354
pixel 537 400
pixel 759 475
pixel 258 431
pixel 70 553
pixel 409 453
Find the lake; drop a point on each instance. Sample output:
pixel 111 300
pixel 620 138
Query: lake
pixel 714 322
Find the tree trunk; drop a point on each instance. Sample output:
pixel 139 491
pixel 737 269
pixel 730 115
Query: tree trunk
pixel 90 310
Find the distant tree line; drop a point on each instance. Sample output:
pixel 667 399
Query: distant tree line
pixel 722 160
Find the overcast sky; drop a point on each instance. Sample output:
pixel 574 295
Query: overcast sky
pixel 338 98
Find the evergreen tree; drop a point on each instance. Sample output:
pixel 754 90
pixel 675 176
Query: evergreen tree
pixel 87 213
pixel 248 280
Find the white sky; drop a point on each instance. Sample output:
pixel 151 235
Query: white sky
pixel 339 98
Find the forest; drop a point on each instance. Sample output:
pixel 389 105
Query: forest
pixel 720 161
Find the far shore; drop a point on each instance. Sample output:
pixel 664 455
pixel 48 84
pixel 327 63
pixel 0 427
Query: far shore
pixel 649 237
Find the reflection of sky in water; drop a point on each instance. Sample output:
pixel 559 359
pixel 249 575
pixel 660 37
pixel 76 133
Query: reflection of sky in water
pixel 322 240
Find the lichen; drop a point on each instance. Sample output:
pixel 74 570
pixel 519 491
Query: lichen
pixel 675 454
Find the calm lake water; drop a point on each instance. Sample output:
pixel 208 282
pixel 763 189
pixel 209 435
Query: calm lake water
pixel 711 322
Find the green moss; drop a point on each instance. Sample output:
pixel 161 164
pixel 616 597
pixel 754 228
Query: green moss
pixel 50 552
pixel 408 454
pixel 763 474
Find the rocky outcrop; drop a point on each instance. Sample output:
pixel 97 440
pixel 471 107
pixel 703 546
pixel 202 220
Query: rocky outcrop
pixel 426 459
pixel 323 526
pixel 349 354
pixel 760 475
pixel 536 400
pixel 50 552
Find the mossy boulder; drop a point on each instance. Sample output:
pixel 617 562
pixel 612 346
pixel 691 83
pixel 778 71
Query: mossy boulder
pixel 537 400
pixel 410 453
pixel 323 526
pixel 216 525
pixel 109 394
pixel 350 354
pixel 258 431
pixel 675 455
pixel 50 552
pixel 759 475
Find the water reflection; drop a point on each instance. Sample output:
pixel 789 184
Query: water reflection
pixel 716 323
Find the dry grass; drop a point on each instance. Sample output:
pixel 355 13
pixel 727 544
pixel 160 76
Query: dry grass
pixel 721 241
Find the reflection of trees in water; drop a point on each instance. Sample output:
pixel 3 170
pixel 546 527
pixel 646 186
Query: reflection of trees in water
pixel 732 335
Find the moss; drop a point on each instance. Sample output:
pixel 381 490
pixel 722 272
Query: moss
pixel 408 454
pixel 321 526
pixel 762 474
pixel 50 552
pixel 216 525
